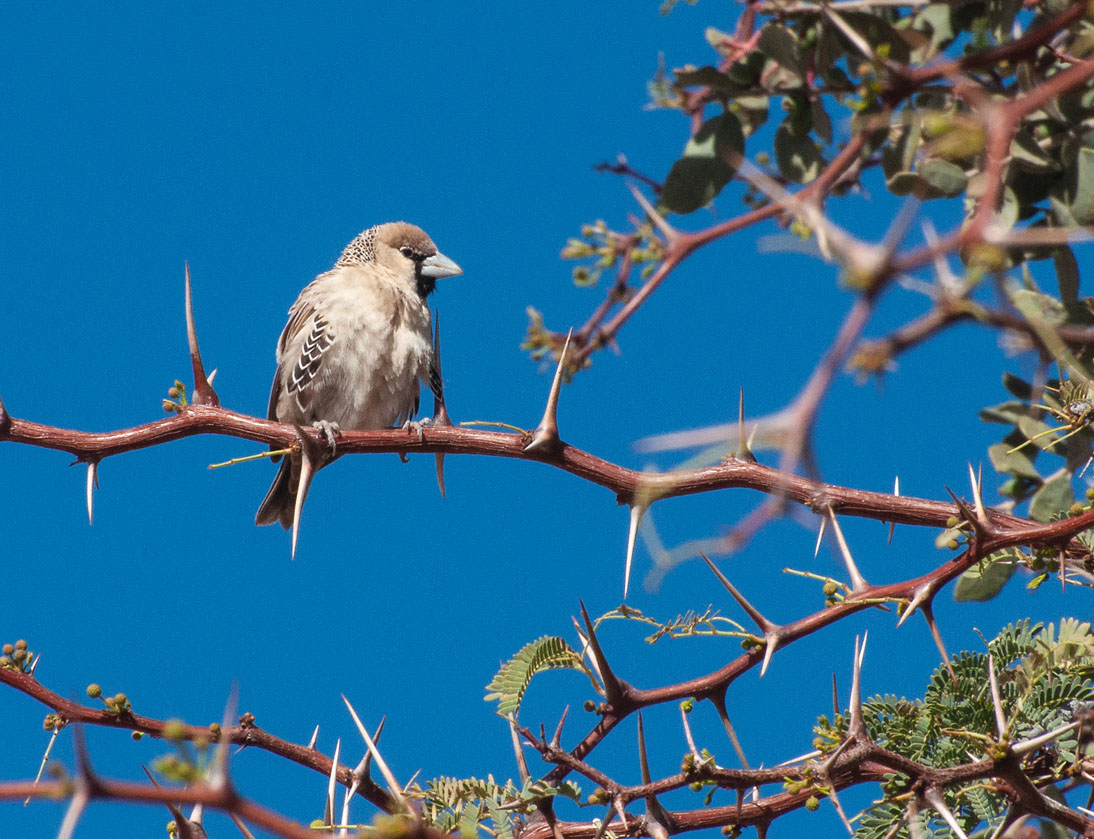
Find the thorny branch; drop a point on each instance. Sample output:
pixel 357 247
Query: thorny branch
pixel 245 734
pixel 627 484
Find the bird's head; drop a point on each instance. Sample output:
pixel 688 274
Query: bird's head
pixel 405 250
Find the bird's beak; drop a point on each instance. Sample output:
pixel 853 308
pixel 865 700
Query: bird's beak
pixel 438 266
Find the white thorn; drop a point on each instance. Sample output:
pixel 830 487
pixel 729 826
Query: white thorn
pixel 1047 737
pixel 996 700
pixel 637 512
pixel 92 482
pixel 896 492
pixel 75 810
pixel 820 537
pixel 586 650
pixel 856 685
pixel 332 782
pixel 666 229
pixel 314 738
pixel 857 581
pixel 196 813
pixel 547 431
pixel 393 785
pixel 770 643
pixel 934 798
pixel 218 773
pixel 921 594
pixel 301 493
pixel 976 497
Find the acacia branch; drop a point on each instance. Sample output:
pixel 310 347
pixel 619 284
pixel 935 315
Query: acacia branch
pixel 245 734
pixel 627 484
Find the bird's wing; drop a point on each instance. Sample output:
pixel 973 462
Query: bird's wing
pixel 436 383
pixel 318 338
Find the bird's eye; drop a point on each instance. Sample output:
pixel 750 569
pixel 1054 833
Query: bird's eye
pixel 410 253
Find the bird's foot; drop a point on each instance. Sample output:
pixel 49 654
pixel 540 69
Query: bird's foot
pixel 329 430
pixel 418 426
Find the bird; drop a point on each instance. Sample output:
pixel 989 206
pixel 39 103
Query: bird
pixel 357 343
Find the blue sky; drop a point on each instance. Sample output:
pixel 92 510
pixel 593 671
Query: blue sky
pixel 255 142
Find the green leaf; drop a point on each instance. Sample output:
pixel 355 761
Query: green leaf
pixel 1054 497
pixel 1026 154
pixel 1067 274
pixel 703 77
pixel 822 123
pixel 1006 413
pixel 1018 387
pixel 752 111
pixel 904 183
pixel 697 177
pixel 780 45
pixel 1082 205
pixel 983 582
pixel 798 156
pixel 1061 214
pixel 717 38
pixel 829 50
pixel 879 33
pixel 935 19
pixel 944 178
pixel 1039 308
pixel 1036 428
pixel 1017 463
pixel 511 681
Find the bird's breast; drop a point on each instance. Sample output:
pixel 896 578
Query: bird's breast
pixel 382 347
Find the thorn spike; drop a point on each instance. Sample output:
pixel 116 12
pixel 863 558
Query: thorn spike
pixel 546 433
pixel 978 501
pixel 332 783
pixel 858 583
pixel 687 736
pixel 921 596
pixel 643 760
pixel 820 536
pixel 839 810
pixel 996 700
pixel 892 524
pixel 928 614
pixel 637 512
pixel 314 738
pixel 856 725
pixel 667 230
pixel 92 482
pixel 935 799
pixel 556 741
pixel 310 456
pixel 393 784
pixel 218 775
pixel 613 688
pixel 771 642
pixel 203 388
pixel 763 623
pixel 522 764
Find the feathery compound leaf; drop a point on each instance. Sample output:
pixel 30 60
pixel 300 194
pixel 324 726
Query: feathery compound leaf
pixel 546 653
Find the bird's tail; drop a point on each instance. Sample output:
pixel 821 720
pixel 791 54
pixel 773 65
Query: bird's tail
pixel 281 499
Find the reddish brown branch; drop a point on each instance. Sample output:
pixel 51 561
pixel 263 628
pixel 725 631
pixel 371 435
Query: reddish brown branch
pixel 625 483
pixel 242 735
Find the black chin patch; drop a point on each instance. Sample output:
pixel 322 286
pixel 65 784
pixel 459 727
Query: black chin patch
pixel 425 284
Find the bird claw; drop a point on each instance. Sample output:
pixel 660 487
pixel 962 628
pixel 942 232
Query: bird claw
pixel 329 430
pixel 418 426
